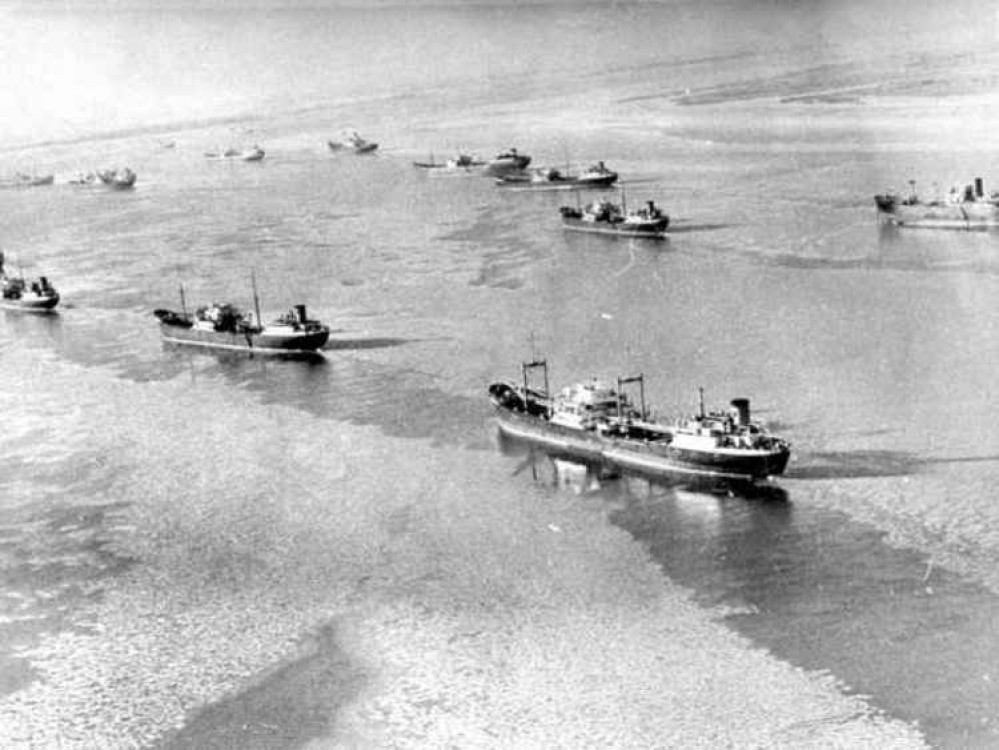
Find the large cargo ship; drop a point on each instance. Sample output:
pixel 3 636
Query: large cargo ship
pixel 225 326
pixel 597 422
pixel 964 207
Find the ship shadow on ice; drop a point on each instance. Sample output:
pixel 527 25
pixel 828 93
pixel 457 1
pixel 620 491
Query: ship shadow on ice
pixel 288 706
pixel 682 226
pixel 855 464
pixel 355 344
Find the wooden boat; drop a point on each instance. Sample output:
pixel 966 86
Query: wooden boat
pixel 225 326
pixel 597 423
pixel 604 217
pixel 964 207
pixel 18 294
pixel 549 178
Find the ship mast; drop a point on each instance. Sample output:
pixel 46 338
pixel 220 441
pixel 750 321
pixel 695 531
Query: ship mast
pixel 183 302
pixel 256 298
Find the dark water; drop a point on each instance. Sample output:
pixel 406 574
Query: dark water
pixel 180 527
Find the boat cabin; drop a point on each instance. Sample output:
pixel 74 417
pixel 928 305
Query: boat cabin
pixel 588 406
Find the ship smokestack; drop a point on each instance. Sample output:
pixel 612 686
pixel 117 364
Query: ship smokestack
pixel 301 313
pixel 741 406
pixel 979 187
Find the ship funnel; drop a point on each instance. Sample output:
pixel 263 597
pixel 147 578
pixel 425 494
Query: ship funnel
pixel 740 407
pixel 300 309
pixel 979 187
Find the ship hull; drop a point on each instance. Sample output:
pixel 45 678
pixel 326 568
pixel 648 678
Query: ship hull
pixel 969 215
pixel 656 460
pixel 650 232
pixel 510 183
pixel 263 342
pixel 31 304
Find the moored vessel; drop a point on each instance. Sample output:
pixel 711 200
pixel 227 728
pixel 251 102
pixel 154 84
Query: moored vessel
pixel 597 422
pixel 119 179
pixel 351 140
pixel 460 162
pixel 225 326
pixel 605 217
pixel 506 162
pixel 964 207
pixel 17 293
pixel 550 178
pixel 254 153
pixel 20 179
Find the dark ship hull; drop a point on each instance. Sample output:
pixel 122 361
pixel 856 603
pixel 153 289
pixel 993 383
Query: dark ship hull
pixel 658 460
pixel 526 182
pixel 31 303
pixel 969 208
pixel 177 328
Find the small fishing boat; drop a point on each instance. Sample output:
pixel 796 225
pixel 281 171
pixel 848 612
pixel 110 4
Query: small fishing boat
pixel 225 326
pixel 964 207
pixel 21 179
pixel 597 422
pixel 464 162
pixel 549 178
pixel 119 179
pixel 351 140
pixel 506 162
pixel 604 217
pixel 19 294
pixel 254 153
pixel 83 178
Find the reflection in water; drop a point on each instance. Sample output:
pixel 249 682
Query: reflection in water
pixel 818 590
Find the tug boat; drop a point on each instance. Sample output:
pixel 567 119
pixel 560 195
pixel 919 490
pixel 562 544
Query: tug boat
pixel 506 162
pixel 596 422
pixel 352 141
pixel 225 326
pixel 549 178
pixel 18 294
pixel 604 217
pixel 964 207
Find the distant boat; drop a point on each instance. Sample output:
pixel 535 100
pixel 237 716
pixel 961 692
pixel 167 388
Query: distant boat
pixel 964 207
pixel 255 153
pixel 597 176
pixel 27 180
pixel 83 178
pixel 460 162
pixel 351 140
pixel 604 217
pixel 119 179
pixel 225 326
pixel 596 422
pixel 18 294
pixel 507 161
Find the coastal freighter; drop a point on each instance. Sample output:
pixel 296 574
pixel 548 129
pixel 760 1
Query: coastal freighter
pixel 506 162
pixel 596 422
pixel 225 326
pixel 17 294
pixel 964 207
pixel 597 176
pixel 604 217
